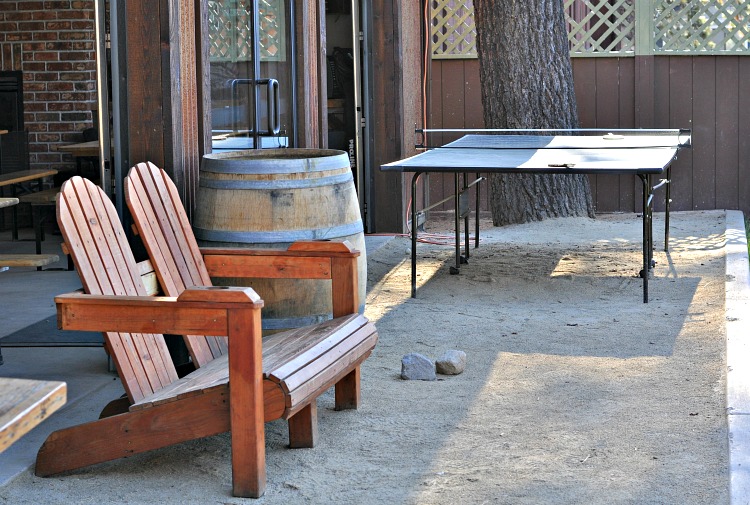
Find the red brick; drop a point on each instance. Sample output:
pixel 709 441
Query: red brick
pixel 74 97
pixel 18 15
pixel 30 26
pixel 33 126
pixel 48 137
pixel 57 25
pixel 33 86
pixel 57 46
pixel 47 97
pixel 58 5
pixel 46 56
pixel 48 35
pixel 44 76
pixel 58 66
pixel 29 47
pixel 8 27
pixel 47 117
pixel 74 76
pixel 44 14
pixel 30 6
pixel 72 116
pixel 30 106
pixel 75 36
pixel 60 86
pixel 84 46
pixel 76 56
pixel 34 66
pixel 60 106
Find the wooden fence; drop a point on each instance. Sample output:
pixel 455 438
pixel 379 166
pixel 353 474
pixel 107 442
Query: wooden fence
pixel 708 94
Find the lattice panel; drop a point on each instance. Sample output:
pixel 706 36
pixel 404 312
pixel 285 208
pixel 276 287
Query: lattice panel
pixel 453 30
pixel 621 27
pixel 702 25
pixel 600 26
pixel 230 30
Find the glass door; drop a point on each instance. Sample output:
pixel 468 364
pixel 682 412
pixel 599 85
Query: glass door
pixel 252 74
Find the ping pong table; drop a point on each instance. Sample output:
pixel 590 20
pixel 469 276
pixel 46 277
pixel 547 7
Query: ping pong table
pixel 643 153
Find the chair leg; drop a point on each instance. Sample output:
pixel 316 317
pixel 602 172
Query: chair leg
pixel 303 427
pixel 348 394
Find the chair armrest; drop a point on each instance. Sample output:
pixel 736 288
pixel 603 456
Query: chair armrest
pixel 197 311
pixel 322 259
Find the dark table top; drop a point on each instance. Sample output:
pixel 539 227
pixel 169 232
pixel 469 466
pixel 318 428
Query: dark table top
pixel 558 154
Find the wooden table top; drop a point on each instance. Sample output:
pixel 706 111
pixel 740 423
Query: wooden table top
pixel 90 148
pixel 8 202
pixel 25 175
pixel 26 403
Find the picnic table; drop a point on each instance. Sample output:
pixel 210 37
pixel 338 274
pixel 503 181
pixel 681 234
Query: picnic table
pixel 26 403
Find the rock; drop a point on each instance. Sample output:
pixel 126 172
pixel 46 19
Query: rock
pixel 415 366
pixel 451 362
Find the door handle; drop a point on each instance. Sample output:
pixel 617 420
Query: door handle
pixel 274 109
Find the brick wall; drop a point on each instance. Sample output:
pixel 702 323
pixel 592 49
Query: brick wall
pixel 52 42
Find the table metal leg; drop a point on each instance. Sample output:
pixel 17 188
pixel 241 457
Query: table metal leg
pixel 466 217
pixel 667 201
pixel 476 214
pixel 646 245
pixel 414 234
pixel 456 200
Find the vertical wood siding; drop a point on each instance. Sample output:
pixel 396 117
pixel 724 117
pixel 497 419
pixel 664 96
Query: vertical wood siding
pixel 704 93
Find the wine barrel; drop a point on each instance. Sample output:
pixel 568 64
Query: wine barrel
pixel 270 198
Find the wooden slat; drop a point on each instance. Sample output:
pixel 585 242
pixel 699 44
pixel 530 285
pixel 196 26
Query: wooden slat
pixel 680 114
pixel 340 368
pixel 303 358
pixel 261 267
pixel 743 134
pixel 727 127
pixel 340 353
pixel 704 133
pixel 99 248
pixel 162 223
pixel 607 116
pixel 626 87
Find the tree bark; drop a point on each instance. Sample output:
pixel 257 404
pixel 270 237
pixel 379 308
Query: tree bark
pixel 527 82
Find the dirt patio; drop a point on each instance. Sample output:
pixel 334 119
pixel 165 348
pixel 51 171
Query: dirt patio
pixel 574 392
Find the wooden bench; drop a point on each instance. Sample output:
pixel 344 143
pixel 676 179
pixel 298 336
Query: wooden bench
pixel 26 403
pixel 42 202
pixel 27 260
pixel 278 377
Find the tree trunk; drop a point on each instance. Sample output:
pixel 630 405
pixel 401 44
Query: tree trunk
pixel 527 82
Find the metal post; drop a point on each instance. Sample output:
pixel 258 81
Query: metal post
pixel 457 222
pixel 102 95
pixel 476 214
pixel 668 200
pixel 645 271
pixel 414 234
pixel 466 217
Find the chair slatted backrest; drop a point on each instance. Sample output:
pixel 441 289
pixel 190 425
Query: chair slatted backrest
pixel 97 243
pixel 161 221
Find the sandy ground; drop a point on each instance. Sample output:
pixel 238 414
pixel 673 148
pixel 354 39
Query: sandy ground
pixel 575 391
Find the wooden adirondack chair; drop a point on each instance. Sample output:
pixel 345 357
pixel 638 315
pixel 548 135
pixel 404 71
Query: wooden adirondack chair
pixel 161 222
pixel 277 378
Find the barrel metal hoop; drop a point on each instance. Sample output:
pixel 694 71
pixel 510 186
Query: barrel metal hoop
pixel 275 184
pixel 274 166
pixel 276 236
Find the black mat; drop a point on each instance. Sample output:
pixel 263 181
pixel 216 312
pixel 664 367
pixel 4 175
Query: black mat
pixel 45 334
